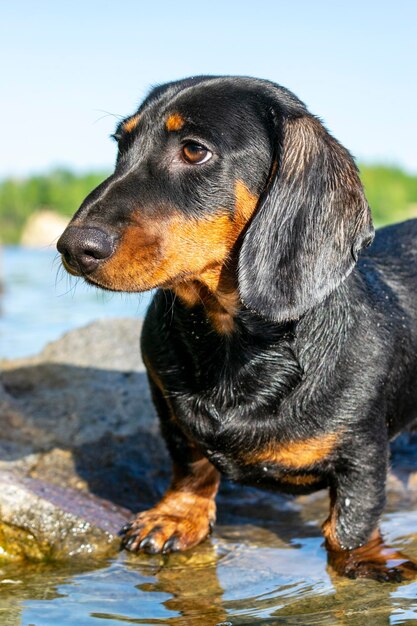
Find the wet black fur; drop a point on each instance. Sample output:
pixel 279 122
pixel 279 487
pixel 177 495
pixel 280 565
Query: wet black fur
pixel 347 364
pixel 321 344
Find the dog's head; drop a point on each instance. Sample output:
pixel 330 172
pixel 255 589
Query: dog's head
pixel 227 182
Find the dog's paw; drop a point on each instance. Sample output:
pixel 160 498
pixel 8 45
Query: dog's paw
pixel 395 572
pixel 374 560
pixel 155 532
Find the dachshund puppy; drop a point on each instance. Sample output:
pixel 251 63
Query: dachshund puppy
pixel 276 355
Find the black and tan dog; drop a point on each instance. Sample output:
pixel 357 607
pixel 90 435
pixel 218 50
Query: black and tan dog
pixel 275 356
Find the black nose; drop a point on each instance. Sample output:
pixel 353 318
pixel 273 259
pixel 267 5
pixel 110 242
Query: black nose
pixel 84 248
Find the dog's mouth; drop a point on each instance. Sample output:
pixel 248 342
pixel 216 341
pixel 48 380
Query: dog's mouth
pixel 97 281
pixel 76 271
pixel 69 267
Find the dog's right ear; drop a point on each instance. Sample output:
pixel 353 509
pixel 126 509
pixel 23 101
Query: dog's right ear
pixel 310 225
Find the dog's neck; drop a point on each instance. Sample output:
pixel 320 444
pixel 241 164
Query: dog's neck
pixel 216 287
pixel 216 290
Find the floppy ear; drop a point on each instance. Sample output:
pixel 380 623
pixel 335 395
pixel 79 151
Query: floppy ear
pixel 309 227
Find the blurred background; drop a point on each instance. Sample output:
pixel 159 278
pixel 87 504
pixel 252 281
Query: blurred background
pixel 71 70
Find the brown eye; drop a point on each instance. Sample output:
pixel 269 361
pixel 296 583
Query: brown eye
pixel 195 154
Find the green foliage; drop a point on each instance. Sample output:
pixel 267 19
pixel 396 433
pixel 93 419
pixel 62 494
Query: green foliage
pixel 61 191
pixel 391 192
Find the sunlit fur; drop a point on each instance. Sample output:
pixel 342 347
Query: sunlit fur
pixel 280 351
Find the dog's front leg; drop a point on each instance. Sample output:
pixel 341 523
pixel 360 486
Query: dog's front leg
pixel 187 511
pixel 354 543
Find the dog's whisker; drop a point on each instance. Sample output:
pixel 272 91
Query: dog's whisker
pixel 107 114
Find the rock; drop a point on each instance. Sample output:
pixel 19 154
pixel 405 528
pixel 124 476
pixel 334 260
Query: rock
pixel 41 521
pixel 79 439
pixel 43 229
pixel 88 385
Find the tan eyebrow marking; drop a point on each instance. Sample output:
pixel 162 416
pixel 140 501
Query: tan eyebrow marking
pixel 131 124
pixel 174 122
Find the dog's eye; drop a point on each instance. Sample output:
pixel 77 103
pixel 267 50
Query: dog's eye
pixel 195 154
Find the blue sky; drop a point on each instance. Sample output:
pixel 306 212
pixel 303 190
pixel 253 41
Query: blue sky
pixel 69 67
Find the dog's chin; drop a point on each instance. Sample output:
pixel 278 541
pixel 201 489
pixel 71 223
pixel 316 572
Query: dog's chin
pixel 128 287
pixel 100 281
pixel 98 285
pixel 125 285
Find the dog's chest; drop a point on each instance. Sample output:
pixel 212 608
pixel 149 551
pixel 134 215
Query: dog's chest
pixel 244 440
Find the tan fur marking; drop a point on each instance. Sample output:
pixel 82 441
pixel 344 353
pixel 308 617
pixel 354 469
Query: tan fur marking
pixel 221 305
pixel 329 526
pixel 245 204
pixel 131 123
pixel 185 511
pixel 297 454
pixel 194 257
pixel 299 479
pixel 174 122
pixel 222 300
pixel 167 252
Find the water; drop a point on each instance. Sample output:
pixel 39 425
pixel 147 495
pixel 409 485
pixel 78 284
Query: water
pixel 240 578
pixel 265 565
pixel 40 301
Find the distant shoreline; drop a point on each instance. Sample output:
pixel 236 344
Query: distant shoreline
pixel 391 193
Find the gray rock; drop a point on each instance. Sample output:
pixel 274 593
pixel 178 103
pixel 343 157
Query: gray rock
pixel 104 344
pixel 81 388
pixel 44 521
pixel 78 439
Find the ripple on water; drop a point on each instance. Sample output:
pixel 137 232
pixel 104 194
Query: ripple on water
pixel 222 581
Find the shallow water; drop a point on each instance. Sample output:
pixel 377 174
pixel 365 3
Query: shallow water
pixel 39 301
pixel 265 563
pixel 248 573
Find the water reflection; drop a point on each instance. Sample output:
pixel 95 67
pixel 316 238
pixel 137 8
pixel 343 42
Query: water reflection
pixel 225 580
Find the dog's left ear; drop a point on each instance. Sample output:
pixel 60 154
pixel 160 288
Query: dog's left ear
pixel 310 225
